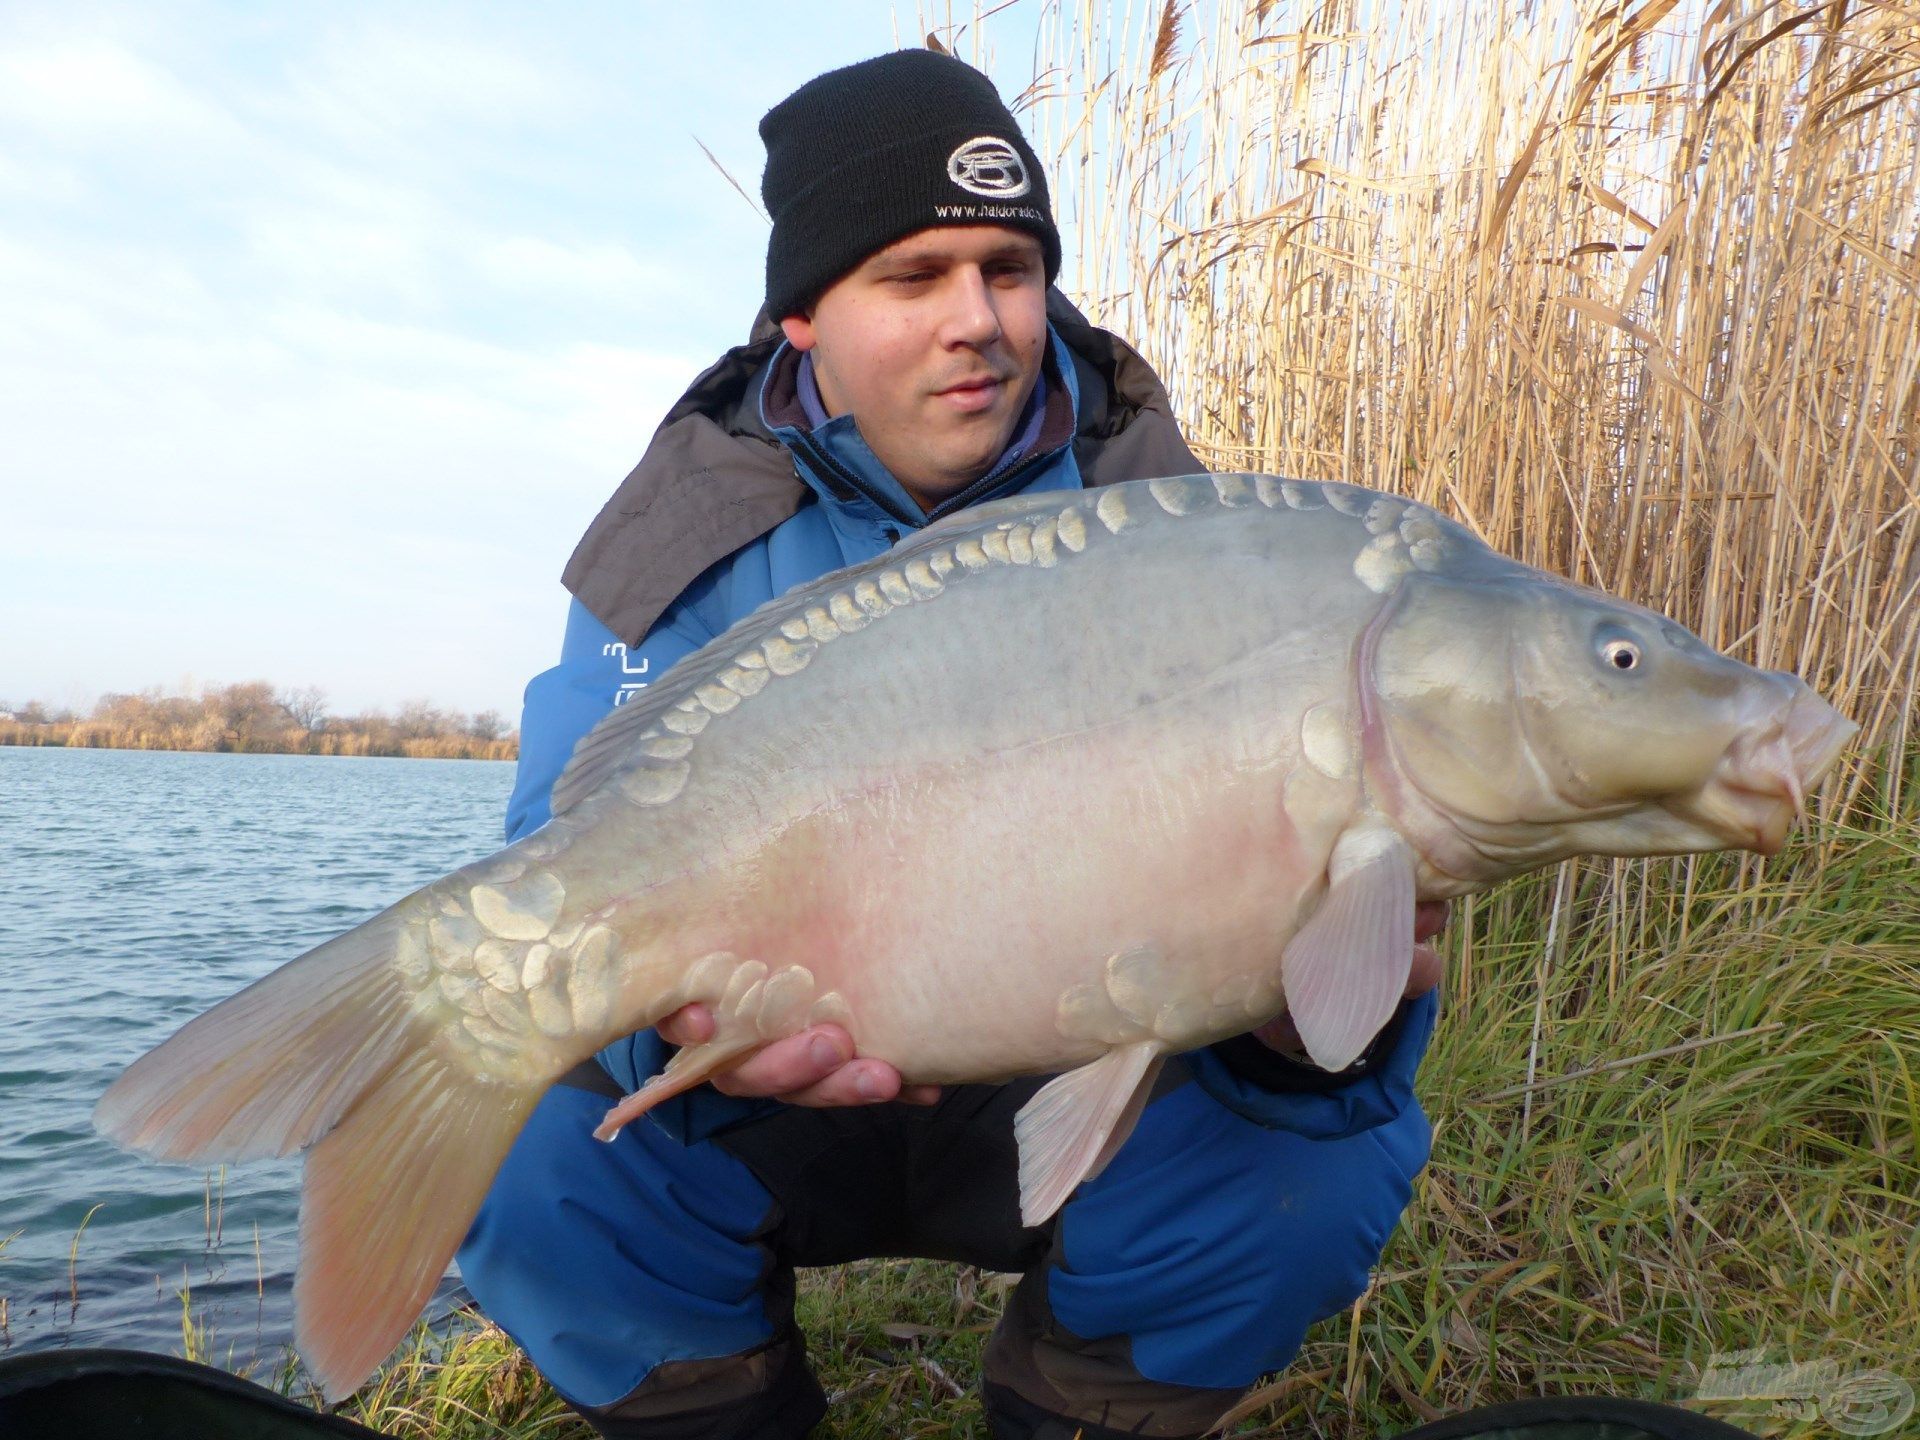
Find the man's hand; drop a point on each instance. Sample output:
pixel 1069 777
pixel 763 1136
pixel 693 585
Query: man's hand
pixel 1429 918
pixel 815 1067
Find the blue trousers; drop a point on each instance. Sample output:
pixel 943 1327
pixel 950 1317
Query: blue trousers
pixel 1193 1265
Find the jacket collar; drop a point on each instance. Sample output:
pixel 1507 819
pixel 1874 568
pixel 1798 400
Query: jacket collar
pixel 715 477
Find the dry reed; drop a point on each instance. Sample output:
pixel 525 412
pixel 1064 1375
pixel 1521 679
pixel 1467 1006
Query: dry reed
pixel 1631 290
pixel 252 718
pixel 96 735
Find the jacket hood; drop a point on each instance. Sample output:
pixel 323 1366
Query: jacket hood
pixel 715 478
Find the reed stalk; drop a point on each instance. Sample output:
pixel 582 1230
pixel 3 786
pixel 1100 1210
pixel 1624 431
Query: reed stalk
pixel 1632 290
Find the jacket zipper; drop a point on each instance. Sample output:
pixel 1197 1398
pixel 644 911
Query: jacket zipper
pixel 817 456
pixel 987 484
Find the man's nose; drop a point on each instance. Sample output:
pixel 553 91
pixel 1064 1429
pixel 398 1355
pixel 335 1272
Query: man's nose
pixel 971 317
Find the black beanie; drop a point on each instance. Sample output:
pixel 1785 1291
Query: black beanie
pixel 864 156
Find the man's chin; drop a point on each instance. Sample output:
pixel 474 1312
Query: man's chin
pixel 933 491
pixel 944 470
pixel 956 470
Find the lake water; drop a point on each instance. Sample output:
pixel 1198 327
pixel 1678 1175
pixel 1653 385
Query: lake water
pixel 136 889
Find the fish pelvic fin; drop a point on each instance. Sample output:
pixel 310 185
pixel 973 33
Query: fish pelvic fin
pixel 273 1068
pixel 1074 1125
pixel 389 1194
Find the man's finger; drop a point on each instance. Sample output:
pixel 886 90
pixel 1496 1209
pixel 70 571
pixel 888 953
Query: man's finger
pixel 1425 972
pixel 863 1082
pixel 787 1067
pixel 689 1025
pixel 1429 918
pixel 815 1067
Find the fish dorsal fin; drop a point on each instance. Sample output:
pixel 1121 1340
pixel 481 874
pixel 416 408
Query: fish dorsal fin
pixel 607 749
pixel 1074 1124
pixel 1346 969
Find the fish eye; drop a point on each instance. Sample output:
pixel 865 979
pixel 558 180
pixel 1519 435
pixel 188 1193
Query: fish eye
pixel 1621 654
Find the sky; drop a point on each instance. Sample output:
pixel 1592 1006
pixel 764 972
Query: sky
pixel 325 329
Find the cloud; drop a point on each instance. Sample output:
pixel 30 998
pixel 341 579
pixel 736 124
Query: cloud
pixel 378 77
pixel 92 92
pixel 604 271
pixel 327 329
pixel 229 471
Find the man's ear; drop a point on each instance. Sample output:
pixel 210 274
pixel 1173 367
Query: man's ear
pixel 799 331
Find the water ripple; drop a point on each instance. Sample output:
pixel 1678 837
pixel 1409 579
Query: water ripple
pixel 140 888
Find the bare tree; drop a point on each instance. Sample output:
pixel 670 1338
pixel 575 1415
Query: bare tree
pixel 246 710
pixel 418 720
pixel 306 707
pixel 487 725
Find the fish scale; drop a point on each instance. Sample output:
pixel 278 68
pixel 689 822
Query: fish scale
pixel 1060 785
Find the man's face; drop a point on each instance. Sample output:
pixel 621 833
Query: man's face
pixel 933 345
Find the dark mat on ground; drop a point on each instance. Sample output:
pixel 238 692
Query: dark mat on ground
pixel 114 1394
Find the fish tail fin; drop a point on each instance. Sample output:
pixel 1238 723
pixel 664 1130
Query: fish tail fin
pixel 389 1195
pixel 273 1068
pixel 328 1052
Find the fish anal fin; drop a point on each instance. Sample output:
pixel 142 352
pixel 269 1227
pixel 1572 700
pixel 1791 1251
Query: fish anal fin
pixel 1073 1126
pixel 694 1065
pixel 1345 970
pixel 389 1194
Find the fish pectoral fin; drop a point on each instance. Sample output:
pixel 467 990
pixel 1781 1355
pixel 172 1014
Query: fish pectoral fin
pixel 1070 1129
pixel 1346 969
pixel 692 1066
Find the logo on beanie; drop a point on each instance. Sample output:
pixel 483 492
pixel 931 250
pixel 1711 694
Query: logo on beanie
pixel 988 165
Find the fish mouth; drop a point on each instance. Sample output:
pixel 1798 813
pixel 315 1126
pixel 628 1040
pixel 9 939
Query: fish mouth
pixel 1817 734
pixel 1761 784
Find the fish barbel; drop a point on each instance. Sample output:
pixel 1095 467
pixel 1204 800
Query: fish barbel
pixel 1065 783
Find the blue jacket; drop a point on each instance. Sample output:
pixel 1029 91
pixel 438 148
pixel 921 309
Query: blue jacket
pixel 850 511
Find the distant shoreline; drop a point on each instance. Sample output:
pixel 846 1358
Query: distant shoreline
pixel 254 718
pixel 89 735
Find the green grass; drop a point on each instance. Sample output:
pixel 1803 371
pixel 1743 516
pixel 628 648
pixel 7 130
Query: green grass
pixel 1717 1151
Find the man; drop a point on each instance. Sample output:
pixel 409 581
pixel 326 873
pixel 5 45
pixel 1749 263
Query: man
pixel 920 365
